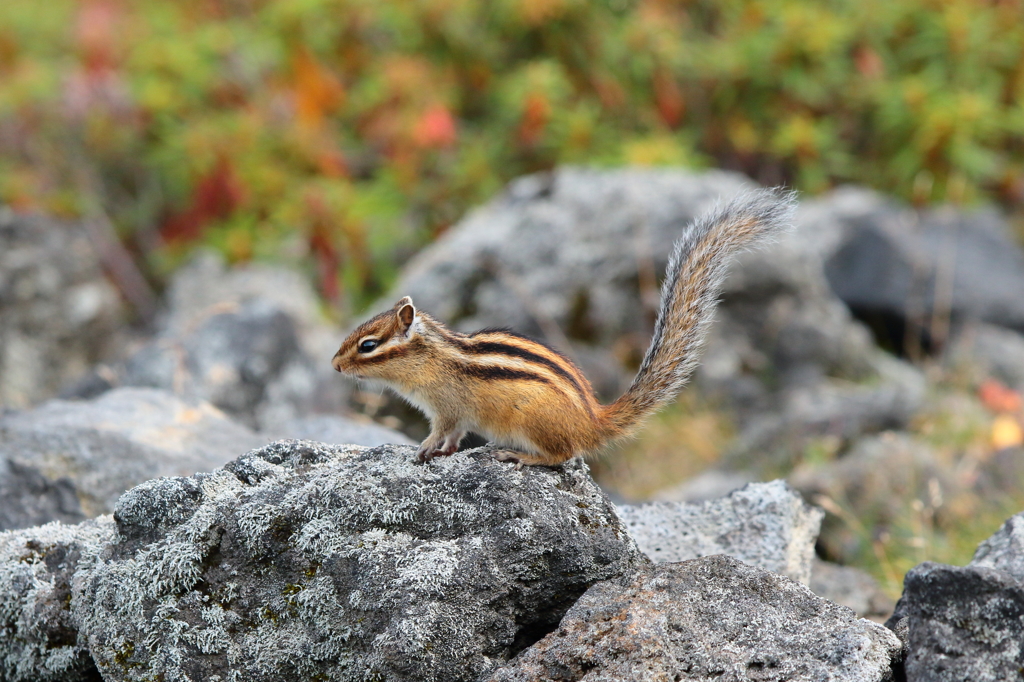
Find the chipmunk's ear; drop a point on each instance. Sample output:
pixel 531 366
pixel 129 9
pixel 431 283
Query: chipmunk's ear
pixel 406 314
pixel 406 300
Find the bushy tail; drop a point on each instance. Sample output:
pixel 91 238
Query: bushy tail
pixel 689 295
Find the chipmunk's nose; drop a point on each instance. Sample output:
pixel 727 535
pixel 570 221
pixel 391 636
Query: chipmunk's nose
pixel 336 362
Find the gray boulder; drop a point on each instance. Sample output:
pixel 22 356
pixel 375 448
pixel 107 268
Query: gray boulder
pixel 573 257
pixel 1004 551
pixel 58 313
pixel 709 618
pixel 893 260
pixel 249 340
pixel 327 428
pixel 306 561
pixel 39 638
pixel 991 351
pixel 960 623
pixel 966 623
pixel 81 455
pixel 763 524
pixel 850 587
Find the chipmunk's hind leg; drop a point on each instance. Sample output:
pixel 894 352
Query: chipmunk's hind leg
pixel 521 459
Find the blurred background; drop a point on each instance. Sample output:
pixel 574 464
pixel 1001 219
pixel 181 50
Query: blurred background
pixel 155 153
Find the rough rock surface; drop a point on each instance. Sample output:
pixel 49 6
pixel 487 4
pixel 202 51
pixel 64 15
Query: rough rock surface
pixel 713 618
pixel 961 623
pixel 39 639
pixel 1004 551
pixel 305 561
pixel 81 455
pixel 763 524
pixel 58 314
pixel 966 623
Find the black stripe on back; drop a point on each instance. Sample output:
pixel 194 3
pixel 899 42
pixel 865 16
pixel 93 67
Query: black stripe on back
pixel 498 373
pixel 498 348
pixel 508 332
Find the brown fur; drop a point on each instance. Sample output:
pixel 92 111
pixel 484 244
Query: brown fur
pixel 528 397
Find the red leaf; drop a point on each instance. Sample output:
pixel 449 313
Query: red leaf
pixel 435 128
pixel 669 98
pixel 536 112
pixel 999 398
pixel 215 197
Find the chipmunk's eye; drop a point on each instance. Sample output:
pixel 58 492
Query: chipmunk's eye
pixel 368 345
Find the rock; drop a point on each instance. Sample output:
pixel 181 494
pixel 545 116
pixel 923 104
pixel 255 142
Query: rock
pixel 304 382
pixel 960 623
pixel 39 639
pixel 28 498
pixel 342 430
pixel 306 561
pixel 898 262
pixel 832 408
pixel 874 480
pixel 852 588
pixel 763 524
pixel 58 314
pixel 567 256
pixel 991 352
pixel 248 340
pixel 1004 551
pixel 81 455
pixel 707 485
pixel 573 257
pixel 708 618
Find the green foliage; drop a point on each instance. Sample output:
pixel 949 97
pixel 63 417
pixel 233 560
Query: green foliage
pixel 347 133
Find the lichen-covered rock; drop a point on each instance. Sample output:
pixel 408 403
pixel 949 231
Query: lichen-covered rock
pixel 58 313
pixel 961 623
pixel 303 561
pixel 81 455
pixel 713 618
pixel 763 524
pixel 39 639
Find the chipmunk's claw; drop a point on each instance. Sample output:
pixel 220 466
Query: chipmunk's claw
pixel 426 454
pixel 510 456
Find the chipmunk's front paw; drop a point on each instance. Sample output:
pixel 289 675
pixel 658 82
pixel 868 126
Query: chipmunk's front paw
pixel 428 452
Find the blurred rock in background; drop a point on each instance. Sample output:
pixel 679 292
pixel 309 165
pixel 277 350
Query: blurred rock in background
pixel 250 340
pixel 59 315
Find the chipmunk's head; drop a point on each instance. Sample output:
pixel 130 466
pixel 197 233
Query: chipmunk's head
pixel 384 346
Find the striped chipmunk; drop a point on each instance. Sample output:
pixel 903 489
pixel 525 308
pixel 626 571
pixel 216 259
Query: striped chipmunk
pixel 529 399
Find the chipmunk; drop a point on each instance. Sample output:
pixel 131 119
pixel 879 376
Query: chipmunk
pixel 531 400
